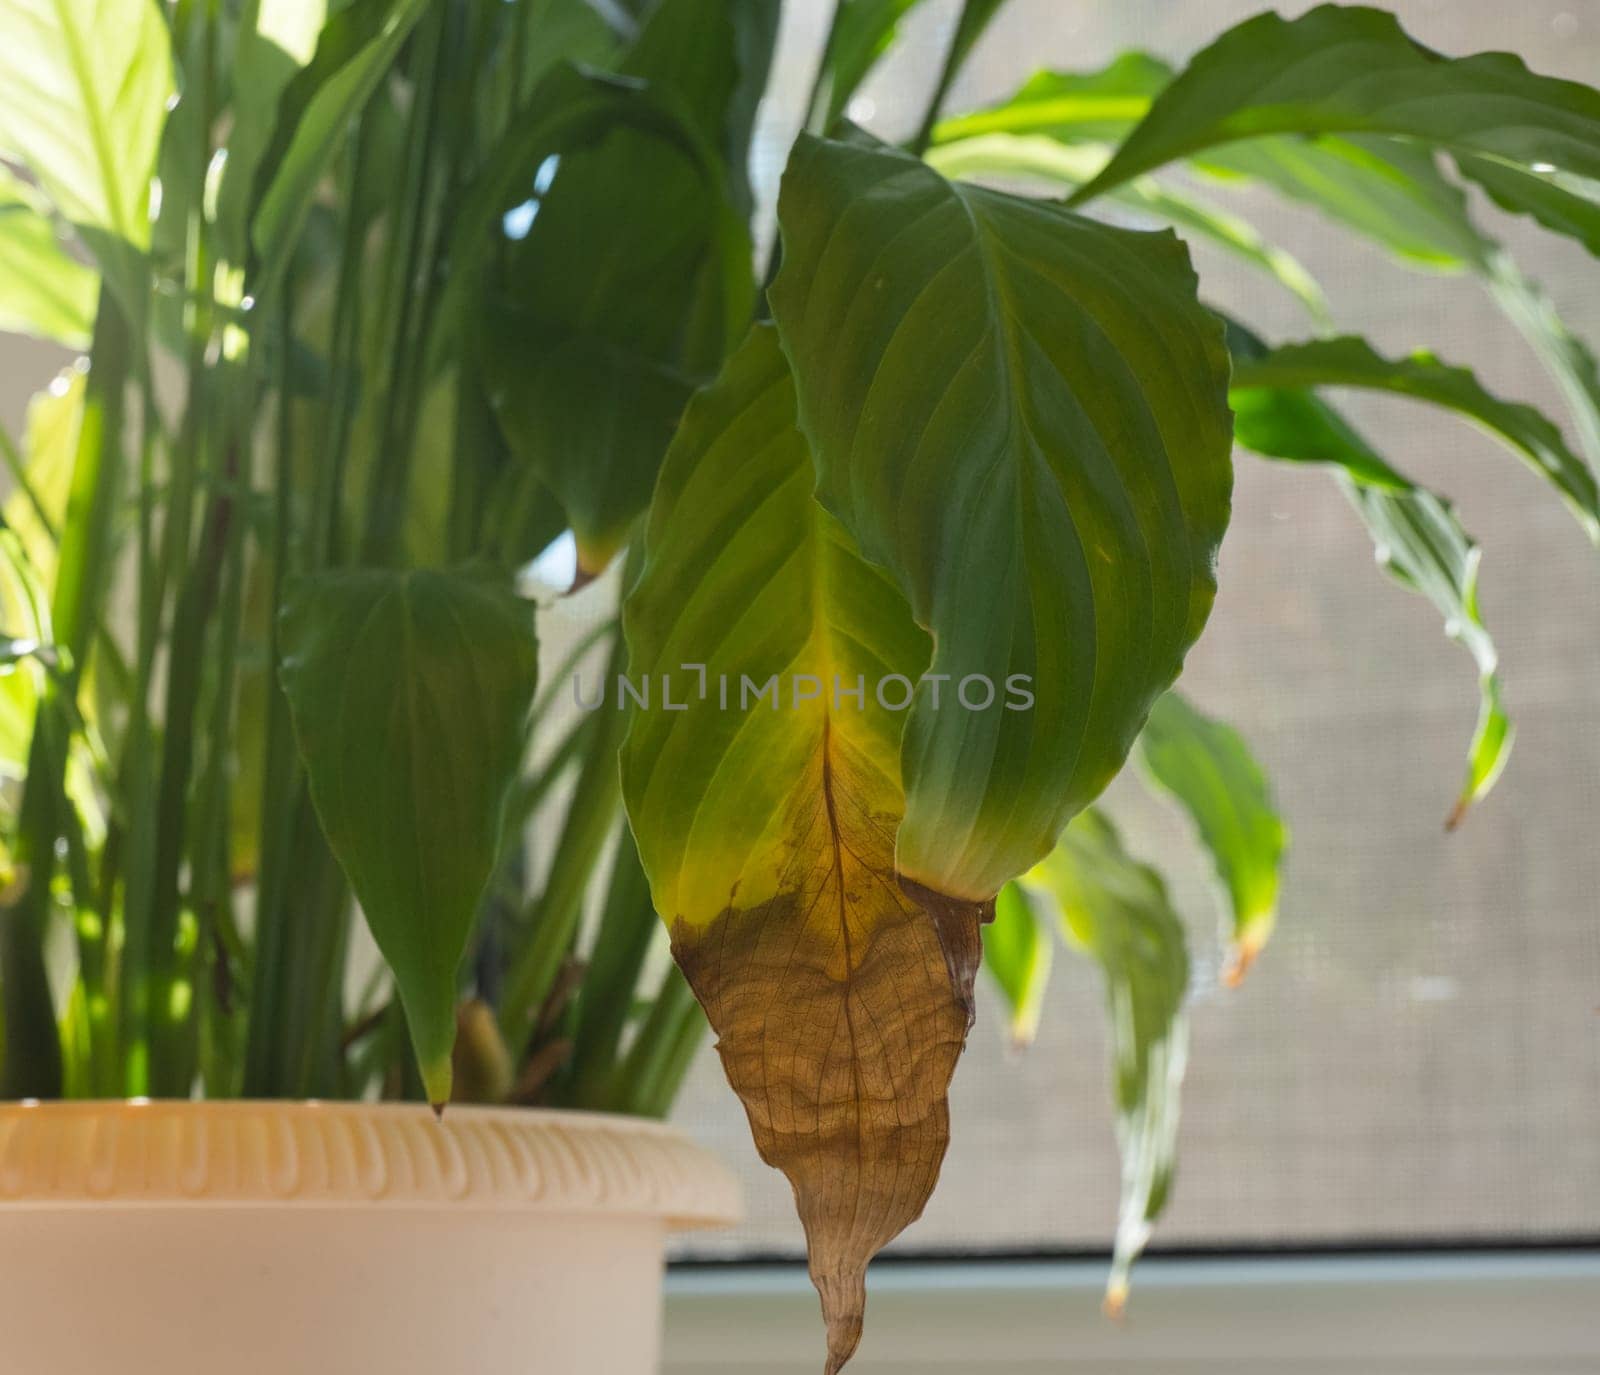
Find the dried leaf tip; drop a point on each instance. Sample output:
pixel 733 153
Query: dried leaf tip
pixel 438 1111
pixel 1115 1303
pixel 1241 957
pixel 844 1306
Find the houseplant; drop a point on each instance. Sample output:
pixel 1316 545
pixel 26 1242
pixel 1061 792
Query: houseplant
pixel 391 296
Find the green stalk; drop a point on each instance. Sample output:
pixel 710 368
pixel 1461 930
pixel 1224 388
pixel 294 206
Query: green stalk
pixel 388 478
pixel 620 946
pixel 558 910
pixel 33 1050
pixel 661 1051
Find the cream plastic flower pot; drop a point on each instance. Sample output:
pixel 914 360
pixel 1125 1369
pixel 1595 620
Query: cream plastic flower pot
pixel 339 1239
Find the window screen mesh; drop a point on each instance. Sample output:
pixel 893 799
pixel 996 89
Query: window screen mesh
pixel 1417 1056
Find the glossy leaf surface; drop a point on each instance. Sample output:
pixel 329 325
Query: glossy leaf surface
pixel 841 997
pixel 1209 770
pixel 1117 911
pixel 410 693
pixel 1021 414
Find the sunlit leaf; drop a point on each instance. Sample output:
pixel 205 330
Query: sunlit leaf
pixel 1117 911
pixel 1209 769
pixel 276 42
pixel 84 86
pixel 354 51
pixel 410 693
pixel 1072 107
pixel 841 996
pixel 1028 429
pixel 1018 952
pixel 44 290
pixel 1352 362
pixel 1354 70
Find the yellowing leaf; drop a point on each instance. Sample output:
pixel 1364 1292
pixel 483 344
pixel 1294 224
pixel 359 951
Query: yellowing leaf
pixel 841 996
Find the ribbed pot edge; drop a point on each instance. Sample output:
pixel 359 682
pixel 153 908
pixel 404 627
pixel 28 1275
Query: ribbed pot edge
pixel 328 1154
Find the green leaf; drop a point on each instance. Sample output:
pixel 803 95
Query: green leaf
pixel 1117 911
pixel 1559 201
pixel 277 40
pixel 841 996
pixel 1209 769
pixel 84 86
pixel 1028 429
pixel 1418 538
pixel 1351 362
pixel 862 32
pixel 1388 191
pixel 1070 107
pixel 632 282
pixel 409 694
pixel 1058 165
pixel 44 290
pixel 1421 544
pixel 1354 70
pixel 1018 953
pixel 354 51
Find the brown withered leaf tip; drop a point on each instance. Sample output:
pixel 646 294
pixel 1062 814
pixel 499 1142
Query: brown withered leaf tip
pixel 842 1005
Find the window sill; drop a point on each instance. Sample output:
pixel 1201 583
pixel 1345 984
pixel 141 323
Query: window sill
pixel 1510 1313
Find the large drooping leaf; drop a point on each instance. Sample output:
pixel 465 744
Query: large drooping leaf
pixel 1416 533
pixel 1021 414
pixel 632 279
pixel 355 49
pixel 1209 769
pixel 44 290
pixel 1033 157
pixel 841 995
pixel 1351 362
pixel 1352 69
pixel 410 693
pixel 1117 911
pixel 1071 107
pixel 84 86
pixel 277 39
pixel 1017 952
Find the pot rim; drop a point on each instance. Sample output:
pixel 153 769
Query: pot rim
pixel 320 1153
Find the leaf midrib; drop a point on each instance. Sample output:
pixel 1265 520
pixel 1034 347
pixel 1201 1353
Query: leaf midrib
pixel 95 118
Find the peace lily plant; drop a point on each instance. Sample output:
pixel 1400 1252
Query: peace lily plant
pixel 375 301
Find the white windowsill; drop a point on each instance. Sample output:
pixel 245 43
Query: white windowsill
pixel 1513 1313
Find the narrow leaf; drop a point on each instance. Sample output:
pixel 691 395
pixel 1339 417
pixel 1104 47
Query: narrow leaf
pixel 1351 362
pixel 1117 911
pixel 354 51
pixel 1342 69
pixel 1018 952
pixel 1028 429
pixel 862 32
pixel 410 693
pixel 1416 533
pixel 841 996
pixel 1208 768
